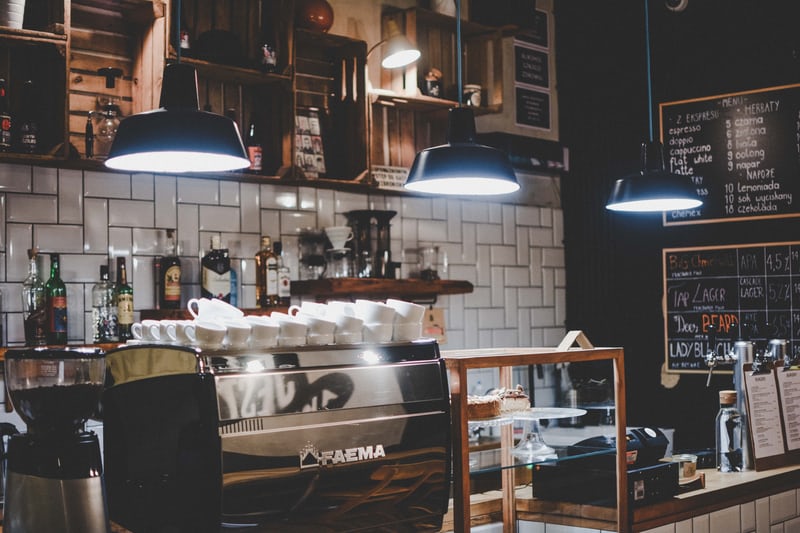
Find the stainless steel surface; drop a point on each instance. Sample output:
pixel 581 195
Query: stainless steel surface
pixel 37 504
pixel 283 438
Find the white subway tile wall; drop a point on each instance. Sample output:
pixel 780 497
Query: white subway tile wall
pixel 512 254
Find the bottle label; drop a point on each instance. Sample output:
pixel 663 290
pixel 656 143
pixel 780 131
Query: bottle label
pixel 29 141
pixel 5 131
pixel 269 59
pixel 185 42
pixel 216 284
pixel 272 277
pixel 284 283
pixel 172 284
pixel 104 323
pixel 58 314
pixel 254 153
pixel 35 324
pixel 125 309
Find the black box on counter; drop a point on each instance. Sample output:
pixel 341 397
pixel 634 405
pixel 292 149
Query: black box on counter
pixel 580 481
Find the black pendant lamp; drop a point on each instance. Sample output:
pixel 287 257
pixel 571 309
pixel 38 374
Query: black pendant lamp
pixel 653 188
pixel 178 137
pixel 462 166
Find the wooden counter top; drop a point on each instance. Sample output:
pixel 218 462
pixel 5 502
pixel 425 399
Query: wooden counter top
pixel 721 491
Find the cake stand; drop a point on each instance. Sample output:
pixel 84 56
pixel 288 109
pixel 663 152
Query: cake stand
pixel 531 446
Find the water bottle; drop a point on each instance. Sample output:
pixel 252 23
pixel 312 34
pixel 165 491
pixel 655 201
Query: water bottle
pixel 729 433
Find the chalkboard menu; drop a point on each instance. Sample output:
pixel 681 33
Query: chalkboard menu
pixel 741 150
pixel 757 284
pixel 531 66
pixel 532 108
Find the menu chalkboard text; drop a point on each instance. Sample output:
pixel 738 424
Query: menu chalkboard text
pixel 741 150
pixel 724 286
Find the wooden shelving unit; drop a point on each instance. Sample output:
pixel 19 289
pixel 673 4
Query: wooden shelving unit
pixel 378 288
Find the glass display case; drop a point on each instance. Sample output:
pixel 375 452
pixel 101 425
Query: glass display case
pixel 529 464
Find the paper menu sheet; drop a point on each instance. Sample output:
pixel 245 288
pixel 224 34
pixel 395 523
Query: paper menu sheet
pixel 789 389
pixel 764 414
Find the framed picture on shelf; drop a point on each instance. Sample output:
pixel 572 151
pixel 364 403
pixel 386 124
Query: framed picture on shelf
pixel 309 143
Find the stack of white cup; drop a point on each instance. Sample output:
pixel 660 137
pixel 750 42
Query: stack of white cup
pixel 219 325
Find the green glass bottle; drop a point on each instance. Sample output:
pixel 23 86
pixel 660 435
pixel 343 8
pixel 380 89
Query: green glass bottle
pixel 56 305
pixel 123 296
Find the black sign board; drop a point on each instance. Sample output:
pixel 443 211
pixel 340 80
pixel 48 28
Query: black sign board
pixel 741 150
pixel 757 284
pixel 531 67
pixel 536 32
pixel 533 108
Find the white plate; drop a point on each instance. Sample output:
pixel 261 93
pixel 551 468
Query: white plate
pixel 491 422
pixel 541 413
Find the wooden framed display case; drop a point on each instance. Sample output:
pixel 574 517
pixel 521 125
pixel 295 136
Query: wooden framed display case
pixel 512 471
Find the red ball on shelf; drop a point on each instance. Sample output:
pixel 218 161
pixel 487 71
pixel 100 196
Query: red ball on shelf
pixel 316 15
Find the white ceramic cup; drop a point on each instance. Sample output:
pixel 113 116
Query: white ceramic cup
pixel 209 333
pixel 212 309
pixel 317 325
pixel 146 330
pixel 339 235
pixel 168 331
pixel 318 340
pixel 263 333
pixel 348 337
pixel 309 308
pixel 290 327
pixel 378 332
pixel 348 324
pixel 184 332
pixel 237 333
pixel 291 341
pixel 374 312
pixel 407 332
pixel 406 312
pixel 338 307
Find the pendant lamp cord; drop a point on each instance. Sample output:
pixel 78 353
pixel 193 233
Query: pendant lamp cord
pixel 458 50
pixel 649 70
pixel 178 30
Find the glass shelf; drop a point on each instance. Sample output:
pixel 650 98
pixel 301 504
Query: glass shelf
pixel 488 461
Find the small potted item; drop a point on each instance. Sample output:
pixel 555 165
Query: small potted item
pixel 432 84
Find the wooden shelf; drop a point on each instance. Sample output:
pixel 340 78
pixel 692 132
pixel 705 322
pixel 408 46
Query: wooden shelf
pixel 58 36
pixel 415 103
pixel 241 74
pixel 377 288
pixel 183 314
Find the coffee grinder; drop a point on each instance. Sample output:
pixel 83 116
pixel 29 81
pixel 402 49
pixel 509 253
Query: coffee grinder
pixel 54 471
pixel 371 242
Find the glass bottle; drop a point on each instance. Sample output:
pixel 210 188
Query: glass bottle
pixel 28 135
pixel 254 149
pixel 34 314
pixel 266 274
pixel 104 312
pixel 5 118
pixel 729 433
pixel 215 266
pixel 123 298
pixel 234 287
pixel 284 277
pixel 56 304
pixel 170 281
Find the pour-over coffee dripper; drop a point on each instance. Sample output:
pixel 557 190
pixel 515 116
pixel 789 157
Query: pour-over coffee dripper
pixel 55 391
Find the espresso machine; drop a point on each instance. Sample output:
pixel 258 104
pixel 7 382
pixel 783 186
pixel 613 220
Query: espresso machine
pixel 54 471
pixel 338 438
